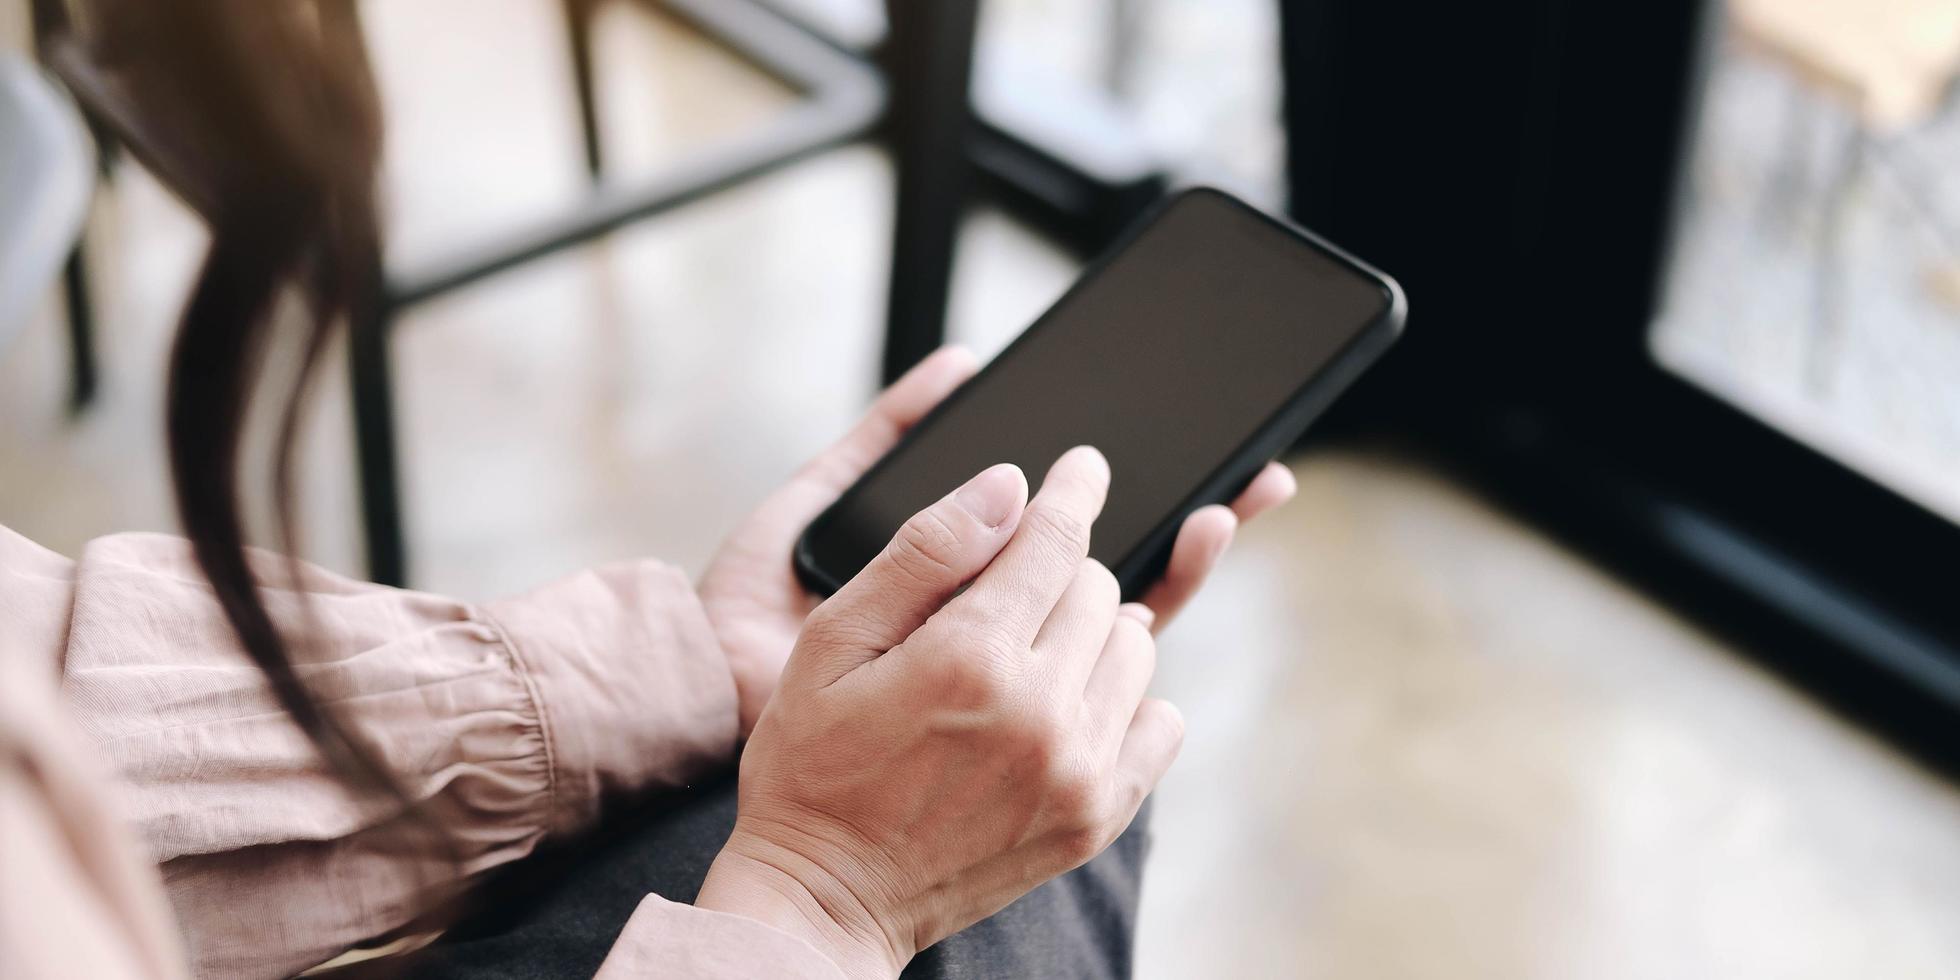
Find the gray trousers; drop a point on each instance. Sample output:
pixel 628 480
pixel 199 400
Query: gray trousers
pixel 558 916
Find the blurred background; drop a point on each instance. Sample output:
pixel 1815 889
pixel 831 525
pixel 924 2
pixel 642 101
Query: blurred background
pixel 1616 630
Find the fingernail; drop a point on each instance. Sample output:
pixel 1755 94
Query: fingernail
pixel 994 495
pixel 1140 612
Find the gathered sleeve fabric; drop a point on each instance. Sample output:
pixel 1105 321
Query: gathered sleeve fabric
pixel 77 896
pixel 512 720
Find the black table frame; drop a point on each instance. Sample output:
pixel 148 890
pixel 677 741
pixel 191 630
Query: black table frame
pixel 912 90
pixel 840 100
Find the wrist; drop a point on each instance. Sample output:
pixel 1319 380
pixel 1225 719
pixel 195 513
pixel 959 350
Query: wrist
pixel 755 880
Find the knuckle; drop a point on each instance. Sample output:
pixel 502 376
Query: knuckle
pixel 952 679
pixel 980 610
pixel 1079 845
pixel 965 680
pixel 1080 798
pixel 835 626
pixel 990 644
pixel 1039 740
pixel 1004 654
pixel 926 547
pixel 1060 528
pixel 825 627
pixel 1039 745
pixel 987 630
pixel 1054 759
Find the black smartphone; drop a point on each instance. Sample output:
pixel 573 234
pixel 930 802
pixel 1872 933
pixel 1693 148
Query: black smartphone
pixel 1196 349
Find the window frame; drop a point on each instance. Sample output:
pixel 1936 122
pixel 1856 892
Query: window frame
pixel 1520 170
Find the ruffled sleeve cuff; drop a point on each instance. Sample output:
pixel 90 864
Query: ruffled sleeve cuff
pixel 632 686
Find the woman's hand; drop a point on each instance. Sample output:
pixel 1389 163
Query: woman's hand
pixel 751 592
pixel 935 753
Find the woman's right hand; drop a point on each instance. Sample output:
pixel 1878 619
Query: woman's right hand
pixel 933 754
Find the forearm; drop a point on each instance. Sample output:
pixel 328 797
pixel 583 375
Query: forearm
pixel 509 722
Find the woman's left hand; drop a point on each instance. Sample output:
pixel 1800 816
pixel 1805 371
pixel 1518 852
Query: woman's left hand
pixel 757 605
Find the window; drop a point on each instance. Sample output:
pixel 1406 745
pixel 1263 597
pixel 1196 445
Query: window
pixel 1816 275
pixel 1722 357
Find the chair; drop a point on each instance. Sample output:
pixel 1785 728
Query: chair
pixel 928 119
pixel 842 101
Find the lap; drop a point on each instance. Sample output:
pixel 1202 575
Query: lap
pixel 559 920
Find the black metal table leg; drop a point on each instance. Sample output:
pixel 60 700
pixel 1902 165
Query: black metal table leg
pixel 841 102
pixel 81 332
pixel 49 18
pixel 578 30
pixel 929 53
pixel 370 315
pixel 370 378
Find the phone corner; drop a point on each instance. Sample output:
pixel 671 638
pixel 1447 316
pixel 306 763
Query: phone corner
pixel 1396 317
pixel 808 571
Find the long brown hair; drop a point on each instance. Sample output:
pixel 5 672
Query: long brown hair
pixel 262 116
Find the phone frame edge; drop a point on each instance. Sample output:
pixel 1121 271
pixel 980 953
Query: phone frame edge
pixel 1281 429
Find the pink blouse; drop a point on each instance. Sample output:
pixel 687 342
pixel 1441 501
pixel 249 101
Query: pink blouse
pixel 160 816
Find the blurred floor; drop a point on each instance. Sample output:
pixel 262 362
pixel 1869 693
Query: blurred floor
pixel 1424 742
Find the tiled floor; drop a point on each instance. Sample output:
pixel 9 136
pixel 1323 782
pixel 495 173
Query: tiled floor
pixel 1424 742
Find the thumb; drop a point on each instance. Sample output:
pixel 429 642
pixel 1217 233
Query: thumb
pixel 936 553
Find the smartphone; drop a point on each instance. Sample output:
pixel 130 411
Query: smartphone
pixel 1200 346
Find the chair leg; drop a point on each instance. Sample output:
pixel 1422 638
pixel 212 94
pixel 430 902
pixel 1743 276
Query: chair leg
pixel 578 32
pixel 81 332
pixel 369 373
pixel 49 18
pixel 370 314
pixel 929 50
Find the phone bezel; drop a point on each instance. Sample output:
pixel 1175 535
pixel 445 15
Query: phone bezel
pixel 1146 561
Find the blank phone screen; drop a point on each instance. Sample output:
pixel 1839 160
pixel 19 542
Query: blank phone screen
pixel 1168 359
